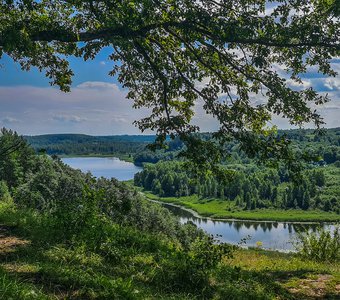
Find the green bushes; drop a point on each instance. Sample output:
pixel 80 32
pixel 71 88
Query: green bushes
pixel 5 196
pixel 322 245
pixel 189 269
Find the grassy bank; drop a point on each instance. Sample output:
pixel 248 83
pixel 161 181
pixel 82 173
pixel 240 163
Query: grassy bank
pixel 35 263
pixel 220 209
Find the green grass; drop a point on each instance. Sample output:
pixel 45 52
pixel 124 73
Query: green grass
pixel 302 279
pixel 40 264
pixel 223 209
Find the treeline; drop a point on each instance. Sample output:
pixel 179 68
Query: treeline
pixel 330 136
pixel 323 149
pixel 80 144
pixel 171 152
pixel 249 188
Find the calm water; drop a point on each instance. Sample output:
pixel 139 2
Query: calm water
pixel 273 235
pixel 107 167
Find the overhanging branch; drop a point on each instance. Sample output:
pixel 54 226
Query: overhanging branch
pixel 109 34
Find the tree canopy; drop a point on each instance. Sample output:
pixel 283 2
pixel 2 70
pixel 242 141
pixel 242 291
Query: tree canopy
pixel 171 54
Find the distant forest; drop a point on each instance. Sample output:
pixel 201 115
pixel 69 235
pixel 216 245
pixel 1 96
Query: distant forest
pixel 325 146
pixel 81 144
pixel 253 185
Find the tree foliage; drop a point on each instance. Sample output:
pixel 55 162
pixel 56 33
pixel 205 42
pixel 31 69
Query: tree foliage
pixel 175 55
pixel 249 187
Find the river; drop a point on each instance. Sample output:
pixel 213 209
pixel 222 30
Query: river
pixel 267 235
pixel 107 167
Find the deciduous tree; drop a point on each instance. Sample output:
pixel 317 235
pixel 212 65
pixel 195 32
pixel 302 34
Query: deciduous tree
pixel 173 54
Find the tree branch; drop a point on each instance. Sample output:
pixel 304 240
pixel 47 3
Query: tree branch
pixel 65 35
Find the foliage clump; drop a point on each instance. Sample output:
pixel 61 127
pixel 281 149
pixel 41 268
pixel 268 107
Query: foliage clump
pixel 322 245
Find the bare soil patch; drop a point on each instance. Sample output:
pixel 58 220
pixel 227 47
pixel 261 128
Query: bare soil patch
pixel 8 242
pixel 315 288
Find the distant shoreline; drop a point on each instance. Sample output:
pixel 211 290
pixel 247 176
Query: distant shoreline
pixel 264 215
pixel 197 215
pixel 123 157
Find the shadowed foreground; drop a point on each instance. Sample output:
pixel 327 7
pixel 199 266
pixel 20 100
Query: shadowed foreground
pixel 36 263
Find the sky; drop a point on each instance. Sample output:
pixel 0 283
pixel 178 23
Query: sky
pixel 97 104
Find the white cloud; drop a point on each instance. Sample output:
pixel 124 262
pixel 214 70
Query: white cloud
pixel 203 120
pixel 69 118
pixel 95 107
pixel 120 119
pixel 304 84
pixel 91 108
pixel 97 85
pixel 332 83
pixel 9 120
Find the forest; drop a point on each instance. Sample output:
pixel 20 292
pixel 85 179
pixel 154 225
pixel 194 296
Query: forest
pixel 251 185
pixel 81 144
pixel 321 148
pixel 65 234
pixel 249 188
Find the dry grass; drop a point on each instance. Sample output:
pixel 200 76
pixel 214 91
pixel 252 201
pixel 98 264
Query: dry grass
pixel 301 278
pixel 9 243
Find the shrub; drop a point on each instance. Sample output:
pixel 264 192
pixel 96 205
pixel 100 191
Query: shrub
pixel 337 164
pixel 5 195
pixel 322 245
pixel 190 269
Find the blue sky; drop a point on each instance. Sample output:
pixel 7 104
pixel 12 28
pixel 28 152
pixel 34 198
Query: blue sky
pixel 97 104
pixel 12 75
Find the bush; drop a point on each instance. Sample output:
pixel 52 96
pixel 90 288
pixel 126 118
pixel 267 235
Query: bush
pixel 322 245
pixel 190 269
pixel 5 196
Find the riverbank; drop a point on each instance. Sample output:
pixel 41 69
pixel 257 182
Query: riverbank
pixel 216 209
pixel 121 156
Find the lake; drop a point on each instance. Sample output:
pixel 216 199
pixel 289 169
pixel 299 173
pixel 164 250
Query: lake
pixel 107 167
pixel 271 235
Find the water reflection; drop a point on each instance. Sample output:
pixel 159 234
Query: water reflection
pixel 107 167
pixel 273 235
